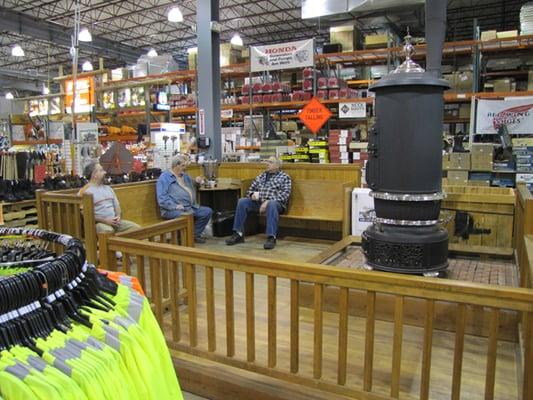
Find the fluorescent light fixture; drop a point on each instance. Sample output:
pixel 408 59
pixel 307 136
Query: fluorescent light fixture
pixel 87 66
pixel 175 15
pixel 9 96
pixel 236 40
pixel 46 90
pixel 17 51
pixel 152 53
pixel 85 36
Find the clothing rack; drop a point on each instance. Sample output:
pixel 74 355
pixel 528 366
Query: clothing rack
pixel 61 315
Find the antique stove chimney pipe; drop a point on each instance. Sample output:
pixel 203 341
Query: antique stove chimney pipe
pixel 405 161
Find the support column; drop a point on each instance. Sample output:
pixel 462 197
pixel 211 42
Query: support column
pixel 209 74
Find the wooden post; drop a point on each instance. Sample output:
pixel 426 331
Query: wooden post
pixel 107 257
pixel 40 208
pixel 89 228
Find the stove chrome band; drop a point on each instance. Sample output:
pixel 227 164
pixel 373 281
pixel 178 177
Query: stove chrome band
pixel 408 197
pixel 371 215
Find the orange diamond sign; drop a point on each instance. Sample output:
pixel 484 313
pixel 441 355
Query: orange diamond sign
pixel 314 115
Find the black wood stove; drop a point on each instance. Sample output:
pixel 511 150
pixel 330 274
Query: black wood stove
pixel 405 161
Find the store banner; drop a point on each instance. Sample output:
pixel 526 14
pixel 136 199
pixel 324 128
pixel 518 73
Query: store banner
pixel 283 55
pixel 516 114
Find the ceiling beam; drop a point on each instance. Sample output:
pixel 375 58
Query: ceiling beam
pixel 16 84
pixel 26 25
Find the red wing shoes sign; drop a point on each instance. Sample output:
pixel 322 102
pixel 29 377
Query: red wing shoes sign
pixel 281 56
pixel 515 114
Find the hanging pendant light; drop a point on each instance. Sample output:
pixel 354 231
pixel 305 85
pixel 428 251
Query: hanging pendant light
pixel 17 51
pixel 9 96
pixel 87 66
pixel 236 40
pixel 175 15
pixel 152 53
pixel 85 36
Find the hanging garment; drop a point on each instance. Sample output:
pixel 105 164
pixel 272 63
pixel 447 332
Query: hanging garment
pixel 62 336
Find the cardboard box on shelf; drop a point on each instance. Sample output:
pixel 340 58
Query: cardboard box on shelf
pixel 481 166
pixel 464 81
pixel 507 34
pixel 522 142
pixel 524 178
pixel 482 148
pixel 478 183
pixel 230 54
pixel 451 110
pixel 503 85
pixel 376 41
pixel 347 35
pixel 192 55
pixel 458 177
pixel 464 110
pixel 489 35
pixel 446 162
pixel 459 161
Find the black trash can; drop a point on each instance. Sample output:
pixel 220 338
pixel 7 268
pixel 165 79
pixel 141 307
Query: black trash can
pixel 223 223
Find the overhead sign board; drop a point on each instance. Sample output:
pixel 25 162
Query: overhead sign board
pixel 282 56
pixel 314 115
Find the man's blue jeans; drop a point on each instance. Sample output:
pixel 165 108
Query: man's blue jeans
pixel 247 205
pixel 201 216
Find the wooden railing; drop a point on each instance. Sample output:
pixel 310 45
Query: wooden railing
pixel 322 350
pixel 68 213
pixel 154 274
pixel 523 227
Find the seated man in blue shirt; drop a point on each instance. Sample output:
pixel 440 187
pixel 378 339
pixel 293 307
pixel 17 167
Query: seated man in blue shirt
pixel 268 194
pixel 176 195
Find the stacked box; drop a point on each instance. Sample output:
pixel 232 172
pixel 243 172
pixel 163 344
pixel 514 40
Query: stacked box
pixel 318 151
pixel 338 141
pixel 446 162
pixel 457 178
pixel 481 156
pixel 376 41
pixel 524 178
pixel 524 158
pixel 348 36
pixel 464 110
pixel 359 153
pixel 302 154
pixel 268 147
pixel 459 161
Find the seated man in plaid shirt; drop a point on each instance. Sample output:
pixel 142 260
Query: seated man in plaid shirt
pixel 269 194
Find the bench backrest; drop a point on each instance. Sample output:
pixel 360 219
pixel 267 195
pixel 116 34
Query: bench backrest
pixel 318 198
pixel 138 202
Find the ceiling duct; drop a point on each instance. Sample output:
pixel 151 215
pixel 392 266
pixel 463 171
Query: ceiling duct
pixel 322 8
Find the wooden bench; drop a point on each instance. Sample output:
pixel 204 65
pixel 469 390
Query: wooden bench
pixel 315 200
pixel 65 212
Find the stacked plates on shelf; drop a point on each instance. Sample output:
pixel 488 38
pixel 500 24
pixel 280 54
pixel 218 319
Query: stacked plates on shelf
pixel 526 19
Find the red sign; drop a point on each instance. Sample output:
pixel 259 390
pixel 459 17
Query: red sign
pixel 314 115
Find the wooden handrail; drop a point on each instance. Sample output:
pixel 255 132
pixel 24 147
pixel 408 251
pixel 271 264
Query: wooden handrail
pixel 454 291
pixel 166 258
